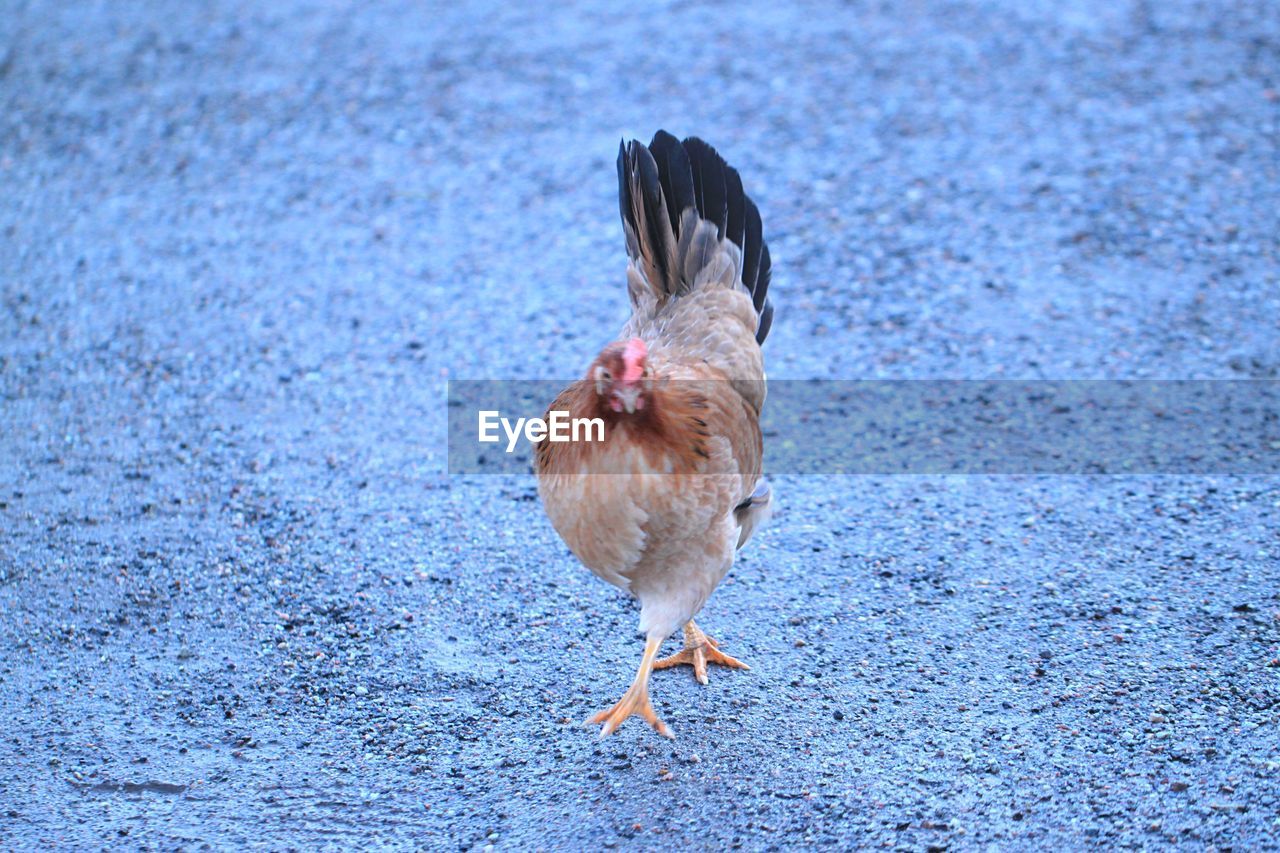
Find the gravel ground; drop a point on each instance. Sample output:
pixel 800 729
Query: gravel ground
pixel 246 244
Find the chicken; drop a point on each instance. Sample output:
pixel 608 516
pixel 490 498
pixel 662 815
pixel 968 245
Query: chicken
pixel 660 506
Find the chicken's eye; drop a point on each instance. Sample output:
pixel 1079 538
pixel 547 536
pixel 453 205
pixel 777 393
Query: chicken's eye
pixel 603 378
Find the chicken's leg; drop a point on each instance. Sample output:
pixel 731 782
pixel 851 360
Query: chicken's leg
pixel 699 650
pixel 636 699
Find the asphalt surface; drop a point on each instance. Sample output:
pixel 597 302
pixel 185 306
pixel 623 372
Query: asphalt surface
pixel 245 245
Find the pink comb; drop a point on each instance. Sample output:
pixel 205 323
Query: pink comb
pixel 633 357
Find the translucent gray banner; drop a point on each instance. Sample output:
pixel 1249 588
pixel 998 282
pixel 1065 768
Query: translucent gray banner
pixel 1225 427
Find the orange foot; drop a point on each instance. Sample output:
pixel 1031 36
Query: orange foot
pixel 699 650
pixel 636 700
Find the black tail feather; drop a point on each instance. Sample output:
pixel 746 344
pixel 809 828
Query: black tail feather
pixel 760 293
pixel 637 171
pixel 709 182
pixel 654 206
pixel 624 186
pixel 766 322
pixel 735 229
pixel 673 176
pixel 752 243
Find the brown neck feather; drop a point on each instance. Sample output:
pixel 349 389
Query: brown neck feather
pixel 671 424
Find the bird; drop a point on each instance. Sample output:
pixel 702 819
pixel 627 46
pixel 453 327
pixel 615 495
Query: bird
pixel 660 503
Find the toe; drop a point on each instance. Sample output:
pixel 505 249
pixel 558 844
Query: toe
pixel 652 718
pixel 732 663
pixel 672 660
pixel 721 659
pixel 700 666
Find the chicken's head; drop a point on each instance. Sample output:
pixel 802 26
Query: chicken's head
pixel 622 376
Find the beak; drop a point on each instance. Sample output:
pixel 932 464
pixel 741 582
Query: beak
pixel 629 396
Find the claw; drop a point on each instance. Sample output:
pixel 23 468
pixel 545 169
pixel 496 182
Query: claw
pixel 698 651
pixel 635 702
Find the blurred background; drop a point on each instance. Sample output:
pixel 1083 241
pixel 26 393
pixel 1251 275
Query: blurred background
pixel 244 246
